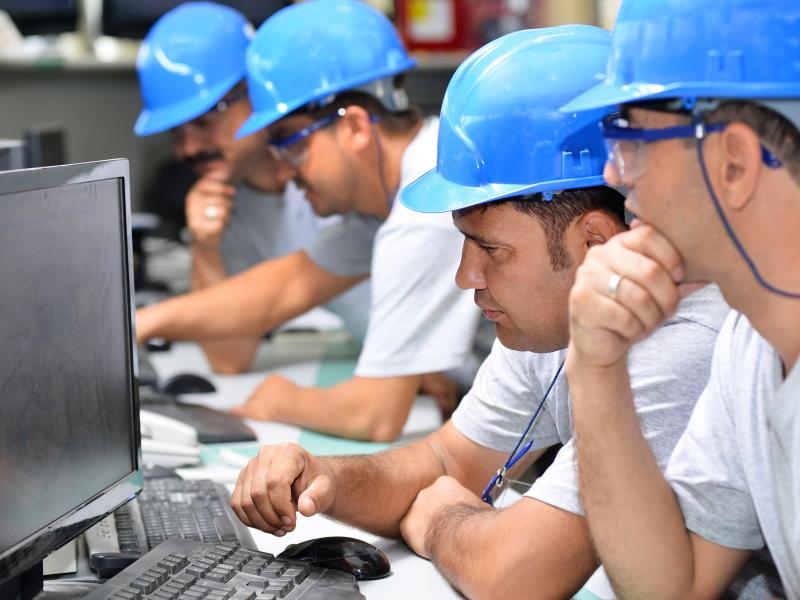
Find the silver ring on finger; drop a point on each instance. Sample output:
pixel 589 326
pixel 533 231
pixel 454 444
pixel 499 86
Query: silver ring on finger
pixel 613 285
pixel 211 212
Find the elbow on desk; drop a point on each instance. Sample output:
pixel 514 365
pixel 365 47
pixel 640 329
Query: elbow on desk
pixel 227 365
pixel 385 429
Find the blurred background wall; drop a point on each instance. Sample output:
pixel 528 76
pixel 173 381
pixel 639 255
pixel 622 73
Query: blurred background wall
pixel 72 62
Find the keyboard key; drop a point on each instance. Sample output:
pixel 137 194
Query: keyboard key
pixel 273 570
pixel 259 584
pixel 296 575
pixel 244 595
pixel 145 583
pixel 278 592
pixel 252 569
pixel 283 582
pixel 184 579
pixel 220 575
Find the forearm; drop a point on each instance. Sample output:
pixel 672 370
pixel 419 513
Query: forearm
pixel 360 408
pixel 375 492
pixel 229 356
pixel 635 520
pixel 530 550
pixel 245 305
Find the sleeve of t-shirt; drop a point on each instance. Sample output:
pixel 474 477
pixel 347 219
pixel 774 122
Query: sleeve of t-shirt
pixel 346 247
pixel 420 322
pixel 501 402
pixel 706 472
pixel 668 372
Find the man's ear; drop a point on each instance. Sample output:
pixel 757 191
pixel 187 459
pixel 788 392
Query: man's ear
pixel 356 129
pixel 597 227
pixel 738 165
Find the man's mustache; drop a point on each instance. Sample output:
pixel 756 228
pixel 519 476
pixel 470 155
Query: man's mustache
pixel 203 157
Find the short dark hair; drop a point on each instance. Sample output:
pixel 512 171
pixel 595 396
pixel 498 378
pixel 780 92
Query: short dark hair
pixel 775 130
pixel 557 214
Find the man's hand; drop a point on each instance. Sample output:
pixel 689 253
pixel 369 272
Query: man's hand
pixel 443 494
pixel 208 209
pixel 277 483
pixel 602 327
pixel 260 403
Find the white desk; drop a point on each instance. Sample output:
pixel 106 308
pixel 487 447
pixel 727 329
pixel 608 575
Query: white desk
pixel 284 355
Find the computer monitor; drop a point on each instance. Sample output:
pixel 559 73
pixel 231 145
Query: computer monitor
pixel 45 145
pixel 12 155
pixel 70 450
pixel 127 19
pixel 42 17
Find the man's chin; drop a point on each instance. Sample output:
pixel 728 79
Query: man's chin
pixel 511 340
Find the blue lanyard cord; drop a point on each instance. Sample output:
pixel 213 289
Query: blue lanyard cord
pixel 729 228
pixel 514 457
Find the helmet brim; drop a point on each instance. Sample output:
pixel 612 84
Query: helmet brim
pixel 264 118
pixel 606 96
pixel 432 193
pixel 158 120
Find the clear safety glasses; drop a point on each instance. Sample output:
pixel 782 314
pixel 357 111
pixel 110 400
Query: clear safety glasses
pixel 294 148
pixel 208 122
pixel 626 145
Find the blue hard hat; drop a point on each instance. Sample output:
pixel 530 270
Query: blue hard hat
pixel 310 51
pixel 700 49
pixel 501 133
pixel 190 59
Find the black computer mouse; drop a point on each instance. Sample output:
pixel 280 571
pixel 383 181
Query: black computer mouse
pixel 360 559
pixel 186 383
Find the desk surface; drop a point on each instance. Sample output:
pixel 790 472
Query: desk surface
pixel 312 359
pixel 299 357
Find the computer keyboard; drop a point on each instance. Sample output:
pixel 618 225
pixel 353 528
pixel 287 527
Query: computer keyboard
pixel 166 508
pixel 186 570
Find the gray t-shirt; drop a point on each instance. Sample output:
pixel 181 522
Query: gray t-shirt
pixel 345 248
pixel 734 471
pixel 668 372
pixel 264 226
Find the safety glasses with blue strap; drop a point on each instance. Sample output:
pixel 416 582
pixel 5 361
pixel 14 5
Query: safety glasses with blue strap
pixel 625 147
pixel 294 148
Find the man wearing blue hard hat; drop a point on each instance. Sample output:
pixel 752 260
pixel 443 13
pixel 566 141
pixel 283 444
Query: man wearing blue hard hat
pixel 243 209
pixel 325 77
pixel 524 183
pixel 707 140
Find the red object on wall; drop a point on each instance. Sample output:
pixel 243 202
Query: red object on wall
pixel 433 24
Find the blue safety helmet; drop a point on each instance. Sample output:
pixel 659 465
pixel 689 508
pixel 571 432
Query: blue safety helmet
pixel 309 52
pixel 689 49
pixel 190 59
pixel 501 133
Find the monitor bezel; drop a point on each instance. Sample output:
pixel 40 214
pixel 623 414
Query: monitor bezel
pixel 29 552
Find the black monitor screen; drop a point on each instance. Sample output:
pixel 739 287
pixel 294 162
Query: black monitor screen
pixel 39 17
pixel 67 432
pixel 124 18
